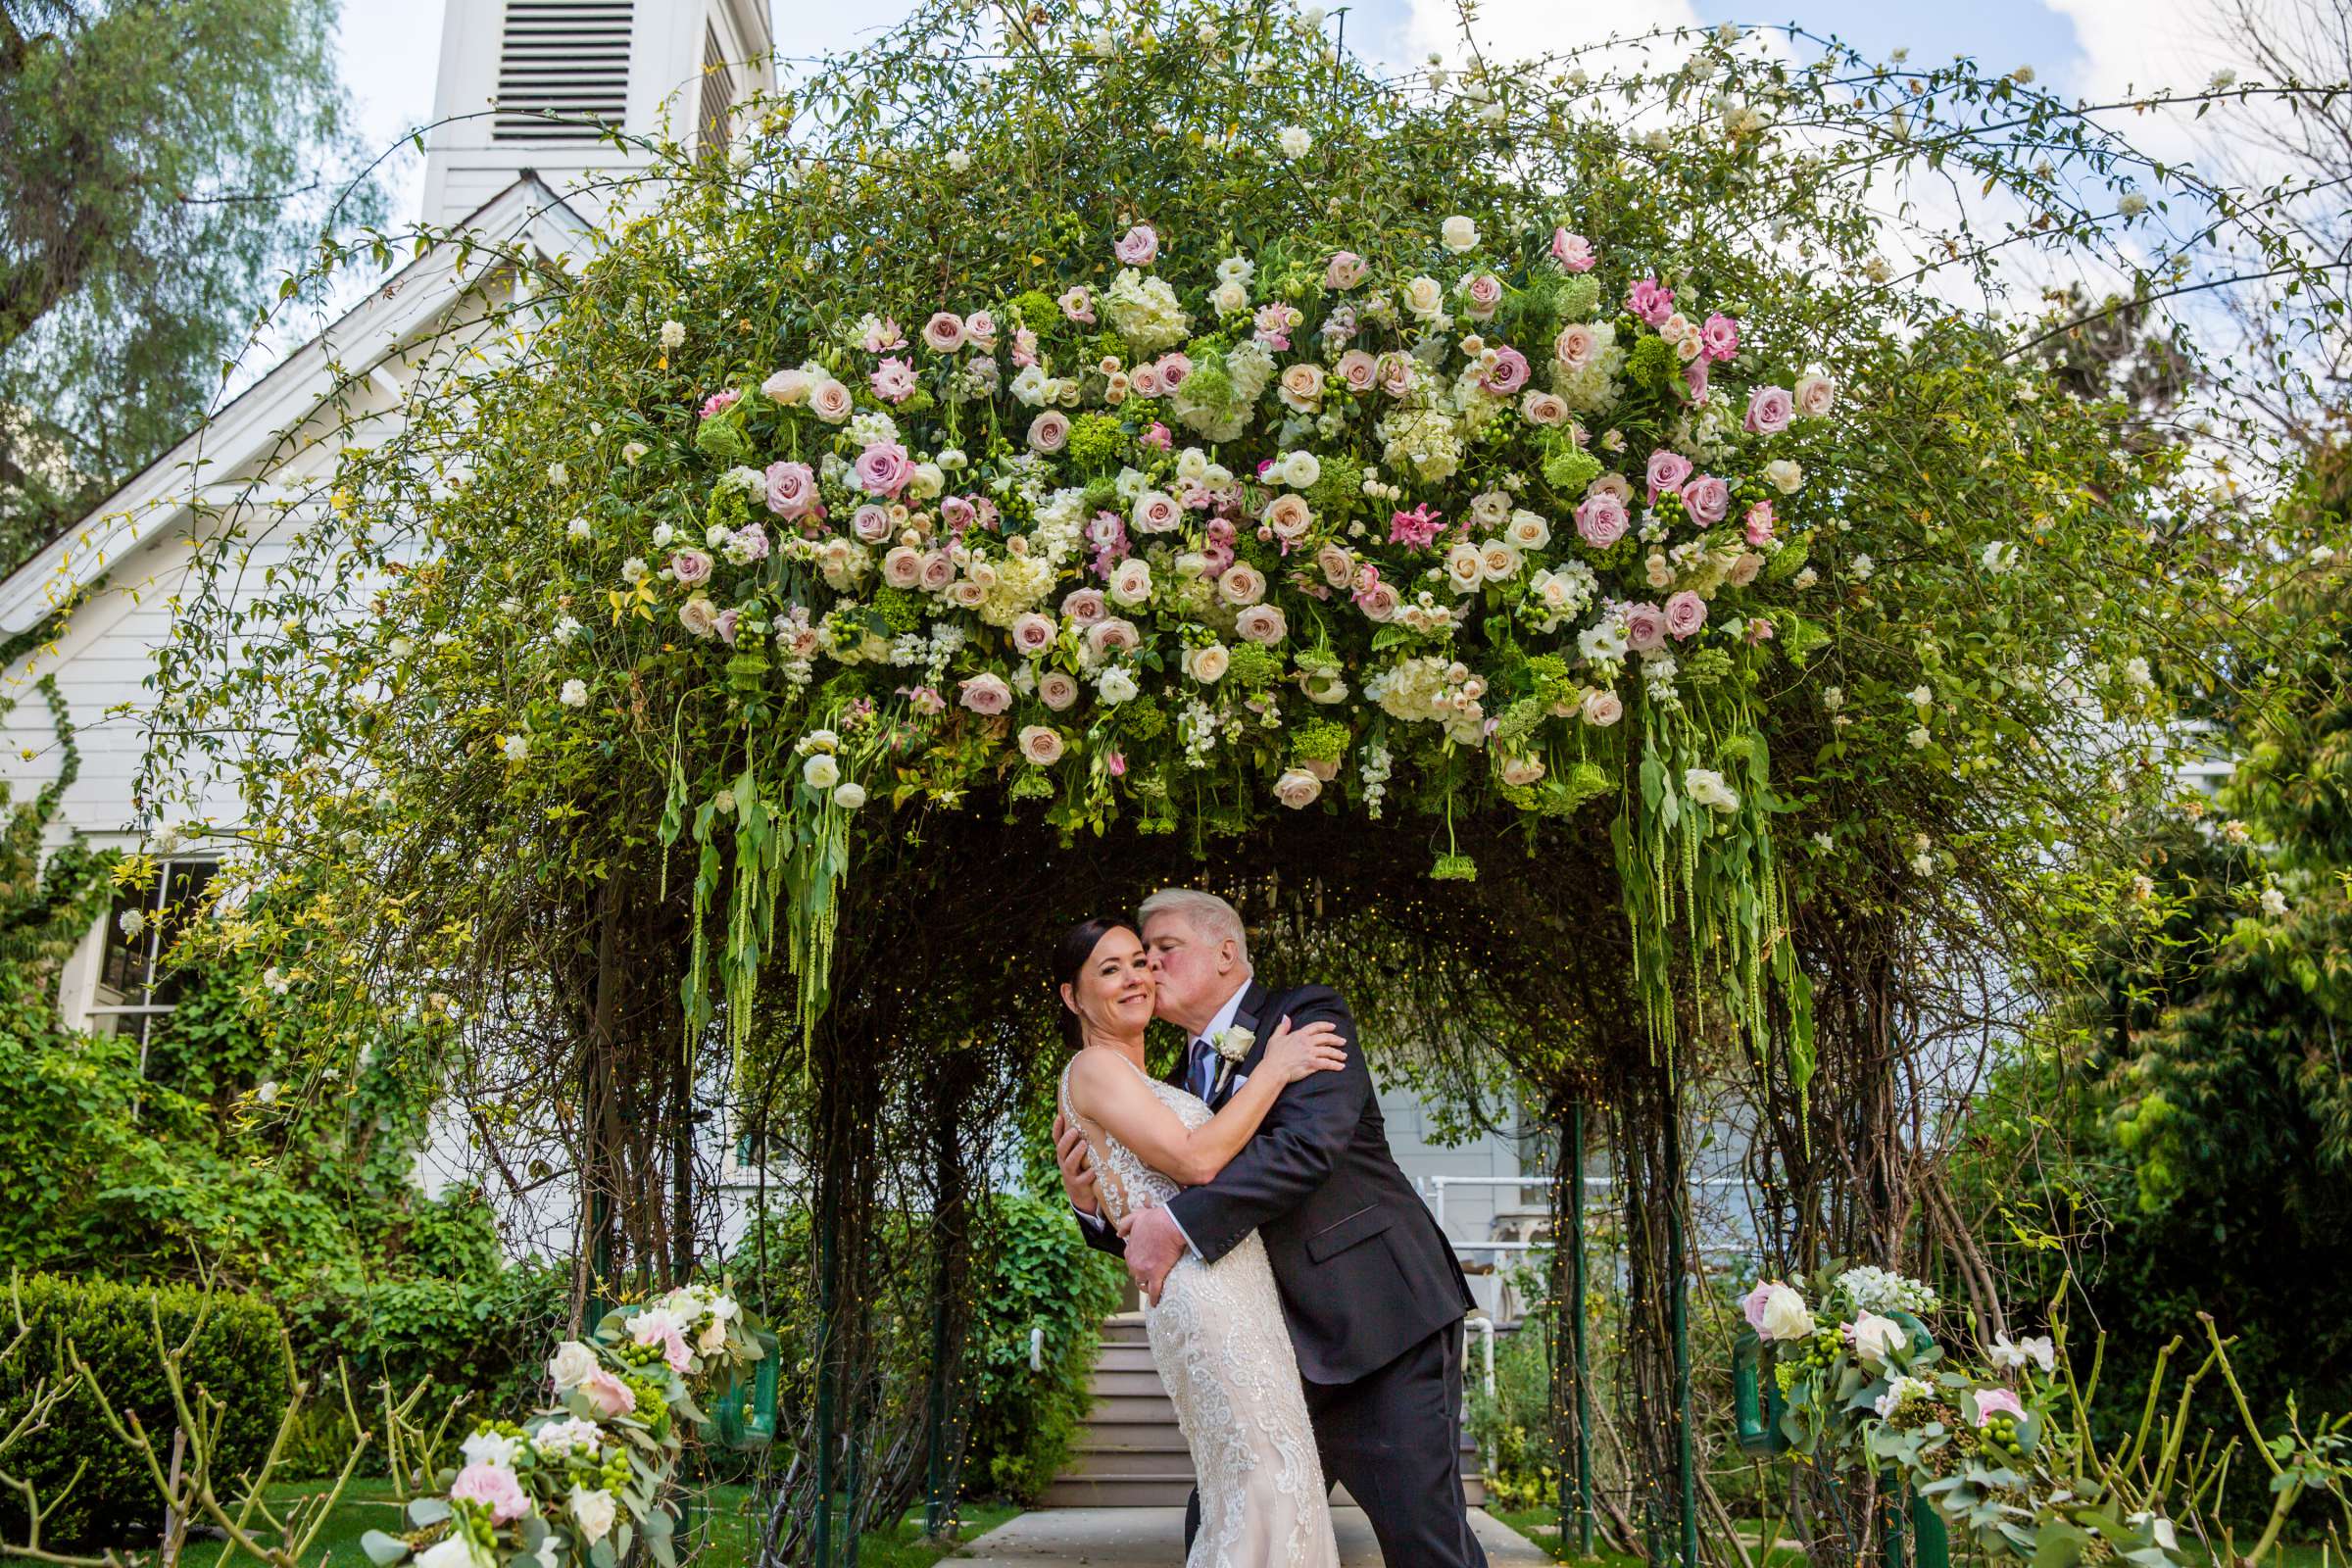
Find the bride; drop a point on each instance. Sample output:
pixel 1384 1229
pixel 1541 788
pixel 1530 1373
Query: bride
pixel 1217 1333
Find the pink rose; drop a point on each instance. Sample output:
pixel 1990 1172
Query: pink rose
pixel 1602 520
pixel 1336 565
pixel 1573 252
pixel 902 564
pixel 1396 372
pixel 1078 304
pixel 608 1396
pixel 944 332
pixel 893 381
pixel 1651 302
pixel 1113 635
pixel 1032 634
pixel 1576 347
pixel 1057 689
pixel 957 513
pixel 1144 382
pixel 1720 336
pixel 1358 370
pixel 1667 471
pixel 728 619
pixel 1482 292
pixel 1542 409
pixel 1345 271
pixel 1155 512
pixel 986 694
pixel 1759 523
pixel 830 399
pixel 1645 627
pixel 495 1487
pixel 1508 374
pixel 1768 410
pixel 883 469
pixel 1685 612
pixel 981 328
pixel 1602 707
pixel 1050 431
pixel 1816 395
pixel 1695 377
pixel 937 572
pixel 1997 1401
pixel 1379 602
pixel 1040 744
pixel 791 489
pixel 1751 1306
pixel 1085 606
pixel 1743 571
pixel 690 566
pixel 1137 247
pixel 1174 366
pixel 1707 498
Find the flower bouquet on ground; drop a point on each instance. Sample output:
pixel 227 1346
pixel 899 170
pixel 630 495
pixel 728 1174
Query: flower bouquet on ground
pixel 586 1479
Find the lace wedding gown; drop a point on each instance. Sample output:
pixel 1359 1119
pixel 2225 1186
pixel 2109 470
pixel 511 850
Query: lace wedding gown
pixel 1225 1357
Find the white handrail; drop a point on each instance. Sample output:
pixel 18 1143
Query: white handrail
pixel 1037 1349
pixel 1485 1334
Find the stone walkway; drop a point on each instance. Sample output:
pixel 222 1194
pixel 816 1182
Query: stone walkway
pixel 1153 1537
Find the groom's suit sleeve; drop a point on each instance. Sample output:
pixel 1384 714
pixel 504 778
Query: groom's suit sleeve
pixel 1294 1148
pixel 1099 1234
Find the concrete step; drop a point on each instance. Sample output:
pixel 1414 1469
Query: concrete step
pixel 1126 1358
pixel 1129 1436
pixel 1117 1492
pixel 1125 1328
pixel 1107 1382
pixel 1100 1463
pixel 1134 1407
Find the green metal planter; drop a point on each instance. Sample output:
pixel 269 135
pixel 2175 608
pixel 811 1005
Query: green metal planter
pixel 1756 1403
pixel 744 1410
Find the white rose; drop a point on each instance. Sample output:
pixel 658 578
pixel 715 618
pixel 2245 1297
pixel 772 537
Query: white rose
pixel 1875 1338
pixel 1784 475
pixel 1706 786
pixel 1207 664
pixel 1298 788
pixel 491 1448
pixel 1425 297
pixel 1300 470
pixel 1784 1316
pixel 594 1511
pixel 571 1365
pixel 1131 584
pixel 1115 685
pixel 1459 234
pixel 1229 296
pixel 820 771
pixel 450 1551
pixel 1528 530
pixel 1465 567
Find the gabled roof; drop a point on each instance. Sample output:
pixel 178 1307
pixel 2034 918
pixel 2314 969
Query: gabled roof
pixel 395 312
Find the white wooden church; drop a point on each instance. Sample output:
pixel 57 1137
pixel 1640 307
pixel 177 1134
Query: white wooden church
pixel 515 156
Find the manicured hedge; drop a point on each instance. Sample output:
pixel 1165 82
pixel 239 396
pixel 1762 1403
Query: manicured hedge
pixel 237 1358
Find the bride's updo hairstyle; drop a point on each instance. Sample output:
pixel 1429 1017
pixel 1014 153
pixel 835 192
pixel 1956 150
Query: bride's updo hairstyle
pixel 1078 945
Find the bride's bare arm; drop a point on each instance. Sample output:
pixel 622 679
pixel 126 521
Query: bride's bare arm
pixel 1106 1090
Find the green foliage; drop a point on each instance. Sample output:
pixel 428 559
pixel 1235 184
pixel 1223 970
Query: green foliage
pixel 1041 1275
pixel 163 162
pixel 1513 1426
pixel 238 1356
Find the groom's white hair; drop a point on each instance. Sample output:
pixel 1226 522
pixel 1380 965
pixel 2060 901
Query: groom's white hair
pixel 1207 914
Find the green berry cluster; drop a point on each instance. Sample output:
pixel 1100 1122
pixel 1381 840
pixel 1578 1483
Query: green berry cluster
pixel 634 1355
pixel 1999 1435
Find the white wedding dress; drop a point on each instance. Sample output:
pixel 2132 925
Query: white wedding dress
pixel 1218 1339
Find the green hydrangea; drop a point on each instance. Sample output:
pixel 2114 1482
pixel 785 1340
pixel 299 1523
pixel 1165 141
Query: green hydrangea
pixel 1254 666
pixel 1706 667
pixel 1569 468
pixel 1031 784
pixel 1787 561
pixel 1453 869
pixel 1101 494
pixel 1319 740
pixel 1579 296
pixel 1141 721
pixel 1034 308
pixel 1340 488
pixel 1095 440
pixel 901 611
pixel 1549 675
pixel 1519 721
pixel 1653 366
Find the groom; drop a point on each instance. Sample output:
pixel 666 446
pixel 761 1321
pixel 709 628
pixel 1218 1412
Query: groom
pixel 1370 1288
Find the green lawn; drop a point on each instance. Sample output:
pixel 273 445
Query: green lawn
pixel 368 1506
pixel 1542 1526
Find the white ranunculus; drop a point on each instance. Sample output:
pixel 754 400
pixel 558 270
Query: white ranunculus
pixel 1300 470
pixel 1784 1316
pixel 1115 685
pixel 491 1448
pixel 2010 1357
pixel 1875 1338
pixel 1294 140
pixel 575 693
pixel 820 771
pixel 849 796
pixel 571 1365
pixel 454 1550
pixel 594 1511
pixel 1459 234
pixel 1706 786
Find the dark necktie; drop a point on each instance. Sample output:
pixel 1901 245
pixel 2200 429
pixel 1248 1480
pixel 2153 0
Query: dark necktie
pixel 1203 1074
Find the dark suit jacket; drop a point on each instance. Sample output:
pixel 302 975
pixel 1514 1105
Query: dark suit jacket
pixel 1365 1274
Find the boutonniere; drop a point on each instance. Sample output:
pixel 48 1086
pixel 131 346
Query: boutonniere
pixel 1235 1042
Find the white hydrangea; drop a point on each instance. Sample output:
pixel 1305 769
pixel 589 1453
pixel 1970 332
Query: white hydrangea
pixel 1144 310
pixel 1877 1290
pixel 1594 388
pixel 1425 442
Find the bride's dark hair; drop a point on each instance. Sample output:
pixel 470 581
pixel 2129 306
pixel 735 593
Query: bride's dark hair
pixel 1078 945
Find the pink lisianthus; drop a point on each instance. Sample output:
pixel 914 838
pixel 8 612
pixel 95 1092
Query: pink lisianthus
pixel 608 1396
pixel 883 469
pixel 1116 764
pixel 1707 498
pixel 1651 301
pixel 957 513
pixel 1345 271
pixel 1695 377
pixel 658 1328
pixel 1573 252
pixel 1759 630
pixel 494 1487
pixel 1667 471
pixel 720 402
pixel 1158 436
pixel 1645 627
pixel 1759 523
pixel 884 335
pixel 1507 374
pixel 1416 530
pixel 791 490
pixel 1768 410
pixel 729 620
pixel 1998 1401
pixel 893 381
pixel 1024 348
pixel 1077 304
pixel 1685 614
pixel 1137 247
pixel 1720 336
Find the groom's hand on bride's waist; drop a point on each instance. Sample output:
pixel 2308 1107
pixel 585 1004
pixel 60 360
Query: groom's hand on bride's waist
pixel 1069 1153
pixel 1154 1241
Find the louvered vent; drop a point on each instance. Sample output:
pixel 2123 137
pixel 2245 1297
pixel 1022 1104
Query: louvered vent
pixel 562 69
pixel 718 94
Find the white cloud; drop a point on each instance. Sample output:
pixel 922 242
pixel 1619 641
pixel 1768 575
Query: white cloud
pixel 1518 29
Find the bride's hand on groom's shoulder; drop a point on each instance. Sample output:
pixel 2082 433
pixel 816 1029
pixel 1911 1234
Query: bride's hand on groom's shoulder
pixel 1069 1153
pixel 1295 1053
